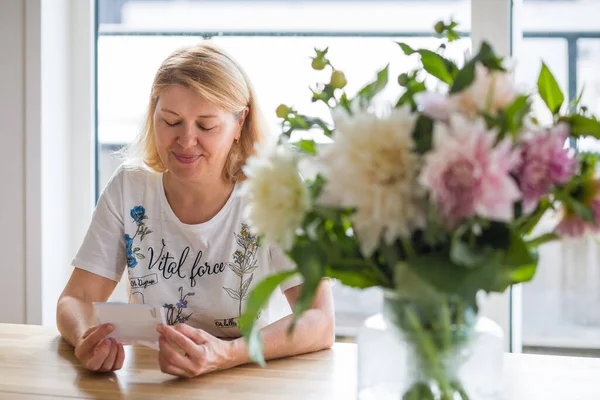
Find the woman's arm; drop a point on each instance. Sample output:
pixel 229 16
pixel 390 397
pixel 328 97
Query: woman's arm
pixel 75 311
pixel 314 331
pixel 205 353
pixel 77 323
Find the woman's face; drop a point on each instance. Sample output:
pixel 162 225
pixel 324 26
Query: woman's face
pixel 193 137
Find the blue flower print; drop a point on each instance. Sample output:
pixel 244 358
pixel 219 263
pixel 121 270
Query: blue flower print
pixel 175 312
pixel 138 213
pixel 131 260
pixel 182 304
pixel 128 241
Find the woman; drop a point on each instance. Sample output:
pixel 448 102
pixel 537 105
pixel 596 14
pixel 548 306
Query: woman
pixel 173 217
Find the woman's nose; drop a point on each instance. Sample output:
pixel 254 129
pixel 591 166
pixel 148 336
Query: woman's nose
pixel 187 136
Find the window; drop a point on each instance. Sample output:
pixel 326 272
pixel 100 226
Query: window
pixel 560 305
pixel 273 41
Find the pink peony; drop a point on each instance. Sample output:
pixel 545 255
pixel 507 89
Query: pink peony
pixel 572 225
pixel 490 92
pixel 467 175
pixel 544 163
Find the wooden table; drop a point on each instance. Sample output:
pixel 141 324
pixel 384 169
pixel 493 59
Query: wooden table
pixel 35 363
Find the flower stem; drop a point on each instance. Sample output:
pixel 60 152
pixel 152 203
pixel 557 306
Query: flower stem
pixel 408 249
pixel 428 349
pixel 545 238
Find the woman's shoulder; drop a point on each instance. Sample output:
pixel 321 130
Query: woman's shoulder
pixel 129 178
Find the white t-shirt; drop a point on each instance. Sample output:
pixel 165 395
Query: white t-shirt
pixel 201 273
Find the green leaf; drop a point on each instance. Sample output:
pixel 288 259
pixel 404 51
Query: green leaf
pixel 470 257
pixel 136 249
pixel 406 98
pixel 466 75
pixel 518 253
pixel 584 212
pixel 574 104
pixel 345 103
pixel 406 49
pixel 525 225
pixel 515 113
pixel 306 146
pixel 423 134
pixel 519 265
pixel 582 126
pixel 549 90
pixel 464 78
pixel 258 299
pixel 438 66
pixel 524 273
pixel 441 273
pixel 310 260
pixel 488 58
pixel 368 92
pixel 357 274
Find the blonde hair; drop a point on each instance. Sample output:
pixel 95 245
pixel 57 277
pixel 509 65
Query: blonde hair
pixel 214 75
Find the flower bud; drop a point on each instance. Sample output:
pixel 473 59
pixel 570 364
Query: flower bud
pixel 403 79
pixel 282 111
pixel 439 28
pixel 318 64
pixel 338 79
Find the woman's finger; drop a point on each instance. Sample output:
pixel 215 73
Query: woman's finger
pixel 108 363
pixel 198 336
pixel 120 358
pixel 185 343
pixel 170 369
pixel 89 343
pixel 96 359
pixel 174 358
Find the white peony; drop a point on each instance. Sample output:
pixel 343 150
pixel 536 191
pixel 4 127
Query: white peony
pixel 371 166
pixel 276 197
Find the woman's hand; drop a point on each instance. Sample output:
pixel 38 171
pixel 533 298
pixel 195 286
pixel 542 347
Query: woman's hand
pixel 97 353
pixel 202 352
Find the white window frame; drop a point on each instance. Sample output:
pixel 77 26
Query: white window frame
pixel 496 21
pixel 79 181
pixel 59 195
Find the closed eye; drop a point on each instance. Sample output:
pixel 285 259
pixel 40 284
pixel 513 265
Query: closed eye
pixel 172 124
pixel 205 129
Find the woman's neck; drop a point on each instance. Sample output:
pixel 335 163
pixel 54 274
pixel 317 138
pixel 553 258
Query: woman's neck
pixel 196 202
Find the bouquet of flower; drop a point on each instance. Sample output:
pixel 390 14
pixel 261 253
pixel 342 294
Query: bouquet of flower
pixel 433 198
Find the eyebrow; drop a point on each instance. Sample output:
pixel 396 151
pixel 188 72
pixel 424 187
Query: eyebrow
pixel 199 116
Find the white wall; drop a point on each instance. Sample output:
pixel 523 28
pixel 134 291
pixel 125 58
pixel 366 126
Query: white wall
pixel 12 161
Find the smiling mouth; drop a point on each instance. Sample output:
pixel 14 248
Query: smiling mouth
pixel 186 159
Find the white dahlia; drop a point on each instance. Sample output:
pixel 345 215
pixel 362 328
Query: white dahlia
pixel 371 166
pixel 276 197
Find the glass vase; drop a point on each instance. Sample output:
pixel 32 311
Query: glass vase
pixel 413 353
